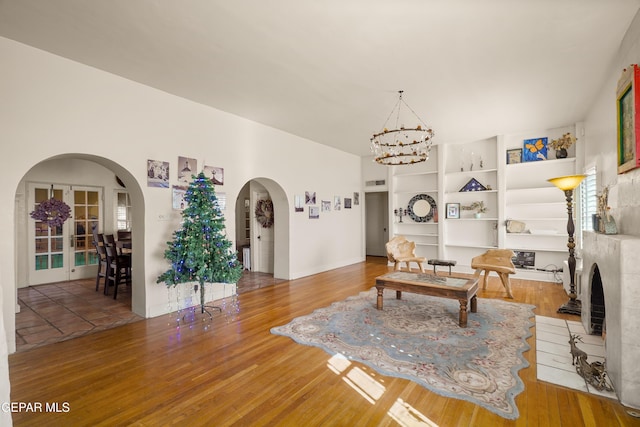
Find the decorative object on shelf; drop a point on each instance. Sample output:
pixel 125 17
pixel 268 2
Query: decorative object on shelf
pixel 609 223
pixel 479 207
pixel 534 149
pixel 473 185
pixel 401 145
pixel 514 156
pixel 516 226
pixel 628 107
pixel 264 213
pixel 422 207
pixel 562 144
pixel 567 184
pixel 52 212
pixel 453 210
pixel 400 213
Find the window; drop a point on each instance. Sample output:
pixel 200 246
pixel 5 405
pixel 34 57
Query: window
pixel 123 211
pixel 588 200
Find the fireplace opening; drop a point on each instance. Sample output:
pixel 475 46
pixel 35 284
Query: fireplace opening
pixel 597 303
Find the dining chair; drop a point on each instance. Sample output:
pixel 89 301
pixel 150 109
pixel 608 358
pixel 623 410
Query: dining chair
pixel 103 265
pixel 119 270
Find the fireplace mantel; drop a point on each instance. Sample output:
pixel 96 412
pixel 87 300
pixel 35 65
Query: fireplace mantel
pixel 618 260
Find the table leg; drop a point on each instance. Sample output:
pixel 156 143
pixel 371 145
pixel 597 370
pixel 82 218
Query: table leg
pixel 463 313
pixel 474 304
pixel 398 294
pixel 379 300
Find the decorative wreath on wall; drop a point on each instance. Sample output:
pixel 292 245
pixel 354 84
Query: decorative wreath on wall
pixel 53 212
pixel 264 213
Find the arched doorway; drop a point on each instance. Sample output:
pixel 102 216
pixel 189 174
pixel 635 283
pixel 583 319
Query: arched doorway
pixel 269 247
pixel 92 186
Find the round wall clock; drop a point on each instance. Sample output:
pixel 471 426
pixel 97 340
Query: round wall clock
pixel 421 207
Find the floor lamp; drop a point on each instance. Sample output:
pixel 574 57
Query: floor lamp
pixel 567 184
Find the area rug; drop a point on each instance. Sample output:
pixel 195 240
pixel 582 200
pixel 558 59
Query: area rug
pixel 418 338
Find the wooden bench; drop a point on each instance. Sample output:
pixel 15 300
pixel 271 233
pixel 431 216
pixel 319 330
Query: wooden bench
pixel 442 262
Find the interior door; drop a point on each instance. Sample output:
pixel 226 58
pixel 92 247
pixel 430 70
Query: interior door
pixel 64 252
pixel 377 222
pixel 262 247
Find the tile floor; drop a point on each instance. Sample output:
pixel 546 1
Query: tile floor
pixel 60 311
pixel 57 312
pixel 553 354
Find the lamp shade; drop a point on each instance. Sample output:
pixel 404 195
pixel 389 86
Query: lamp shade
pixel 567 182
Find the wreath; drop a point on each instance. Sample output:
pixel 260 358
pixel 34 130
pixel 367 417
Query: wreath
pixel 264 213
pixel 53 212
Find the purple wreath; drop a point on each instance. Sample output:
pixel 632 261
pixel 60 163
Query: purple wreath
pixel 54 212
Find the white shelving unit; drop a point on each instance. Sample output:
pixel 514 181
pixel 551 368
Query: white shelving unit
pixel 518 192
pixel 406 182
pixel 468 236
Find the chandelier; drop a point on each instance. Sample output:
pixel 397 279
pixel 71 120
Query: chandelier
pixel 402 145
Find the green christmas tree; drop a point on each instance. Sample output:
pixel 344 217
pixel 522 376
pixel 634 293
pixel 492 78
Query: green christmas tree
pixel 200 251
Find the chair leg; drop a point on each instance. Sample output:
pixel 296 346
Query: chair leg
pixel 486 279
pixel 504 277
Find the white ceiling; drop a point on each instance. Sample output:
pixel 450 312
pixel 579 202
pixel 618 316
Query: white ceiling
pixel 330 70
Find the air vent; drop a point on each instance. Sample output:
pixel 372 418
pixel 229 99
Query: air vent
pixel 374 183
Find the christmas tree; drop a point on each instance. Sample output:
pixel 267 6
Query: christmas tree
pixel 200 251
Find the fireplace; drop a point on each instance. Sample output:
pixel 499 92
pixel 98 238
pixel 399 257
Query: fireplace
pixel 610 298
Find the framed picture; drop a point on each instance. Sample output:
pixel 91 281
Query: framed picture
pixel 215 174
pixel 514 156
pixel 628 106
pixel 534 149
pixel 157 173
pixel 453 210
pixel 186 168
pixel 314 212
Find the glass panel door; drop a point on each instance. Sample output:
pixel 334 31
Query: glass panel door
pixel 86 216
pixel 64 252
pixel 48 255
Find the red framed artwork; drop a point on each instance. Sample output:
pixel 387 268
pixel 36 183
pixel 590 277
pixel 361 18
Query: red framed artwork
pixel 628 108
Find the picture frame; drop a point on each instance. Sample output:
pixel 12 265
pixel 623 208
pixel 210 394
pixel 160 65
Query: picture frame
pixel 514 156
pixel 627 109
pixel 535 149
pixel 453 210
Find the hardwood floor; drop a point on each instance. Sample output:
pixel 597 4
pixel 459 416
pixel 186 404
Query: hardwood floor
pixel 235 372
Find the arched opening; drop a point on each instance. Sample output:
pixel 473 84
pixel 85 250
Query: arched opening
pixel 268 248
pixel 93 187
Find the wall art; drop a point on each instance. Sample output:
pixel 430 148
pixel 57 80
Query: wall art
pixel 628 107
pixel 534 150
pixel 157 173
pixel 186 168
pixel 215 174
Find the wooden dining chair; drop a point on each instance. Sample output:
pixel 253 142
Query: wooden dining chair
pixel 103 265
pixel 119 269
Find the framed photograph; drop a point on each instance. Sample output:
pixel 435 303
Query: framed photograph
pixel 186 168
pixel 356 198
pixel 453 210
pixel 347 203
pixel 514 156
pixel 314 212
pixel 157 173
pixel 299 200
pixel 215 174
pixel 310 197
pixel 177 197
pixel 326 205
pixel 534 150
pixel 336 203
pixel 628 106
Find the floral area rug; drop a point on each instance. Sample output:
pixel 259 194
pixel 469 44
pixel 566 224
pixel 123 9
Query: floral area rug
pixel 418 338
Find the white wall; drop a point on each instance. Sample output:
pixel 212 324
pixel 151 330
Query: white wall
pixel 601 140
pixel 54 107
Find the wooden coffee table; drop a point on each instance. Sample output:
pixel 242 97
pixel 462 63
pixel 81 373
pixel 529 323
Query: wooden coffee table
pixel 464 290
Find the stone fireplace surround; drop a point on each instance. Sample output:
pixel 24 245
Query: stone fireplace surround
pixel 618 260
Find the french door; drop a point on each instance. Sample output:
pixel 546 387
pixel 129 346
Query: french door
pixel 63 252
